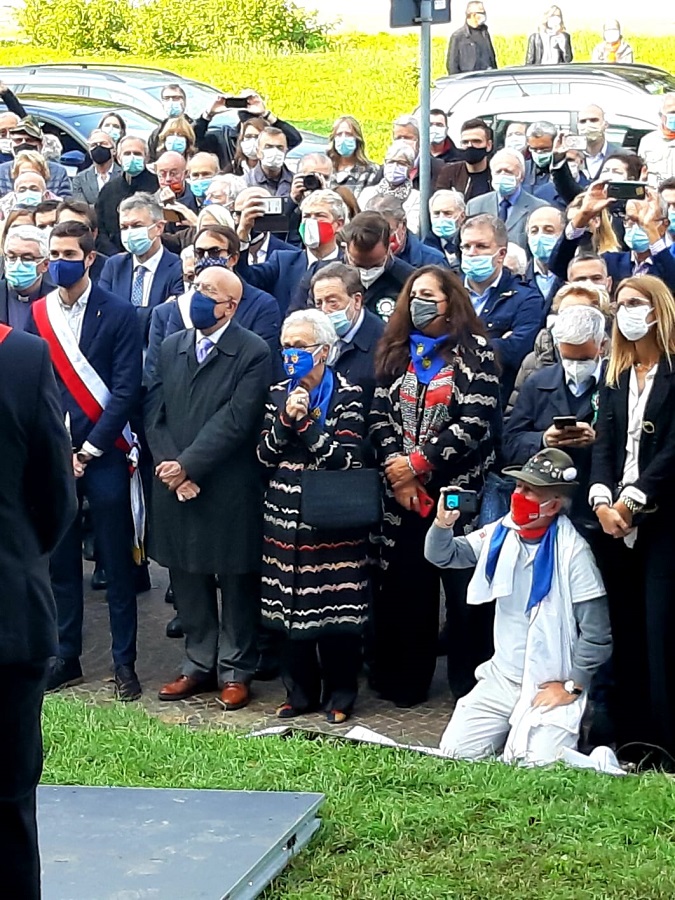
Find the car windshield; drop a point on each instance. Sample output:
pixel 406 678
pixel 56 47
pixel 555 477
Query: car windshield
pixel 651 82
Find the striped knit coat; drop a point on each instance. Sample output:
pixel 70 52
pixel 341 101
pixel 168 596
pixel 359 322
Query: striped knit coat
pixel 313 583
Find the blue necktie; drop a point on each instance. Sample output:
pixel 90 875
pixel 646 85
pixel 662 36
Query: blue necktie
pixel 137 286
pixel 504 209
pixel 204 346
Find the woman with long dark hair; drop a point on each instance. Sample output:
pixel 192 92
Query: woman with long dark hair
pixel 432 424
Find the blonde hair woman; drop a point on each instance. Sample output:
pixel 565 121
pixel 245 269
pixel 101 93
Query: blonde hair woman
pixel 347 151
pixel 551 44
pixel 633 494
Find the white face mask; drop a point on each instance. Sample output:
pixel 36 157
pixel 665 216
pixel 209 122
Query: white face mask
pixel 249 147
pixel 612 35
pixel 370 276
pixel 579 370
pixel 273 158
pixel 516 142
pixel 632 322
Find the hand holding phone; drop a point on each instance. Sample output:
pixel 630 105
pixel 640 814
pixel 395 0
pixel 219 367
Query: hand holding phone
pixel 562 422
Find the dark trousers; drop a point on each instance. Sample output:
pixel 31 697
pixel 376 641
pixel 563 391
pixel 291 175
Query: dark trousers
pixel 640 587
pixel 224 643
pixel 20 768
pixel 106 485
pixel 323 672
pixel 468 631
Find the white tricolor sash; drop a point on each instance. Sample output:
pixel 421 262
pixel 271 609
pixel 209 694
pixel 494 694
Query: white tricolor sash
pixel 90 393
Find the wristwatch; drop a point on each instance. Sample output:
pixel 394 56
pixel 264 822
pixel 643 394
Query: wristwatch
pixel 571 688
pixel 632 505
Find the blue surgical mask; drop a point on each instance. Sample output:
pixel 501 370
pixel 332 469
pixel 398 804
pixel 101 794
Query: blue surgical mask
pixel 20 274
pixel 66 272
pixel 394 173
pixel 29 198
pixel 173 108
pixel 670 121
pixel 541 245
pixel 444 227
pixel 200 186
pixel 341 321
pixel 636 239
pixel 132 165
pixel 202 311
pixel 297 362
pixel 112 132
pixel 671 219
pixel 506 184
pixel 542 158
pixel 478 268
pixel 176 143
pixel 136 240
pixel 345 145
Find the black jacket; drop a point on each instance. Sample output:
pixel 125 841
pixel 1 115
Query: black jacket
pixel 37 497
pixel 381 296
pixel 535 50
pixel 107 207
pixel 470 50
pixel 356 362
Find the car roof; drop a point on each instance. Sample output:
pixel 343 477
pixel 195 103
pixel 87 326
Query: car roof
pixel 104 68
pixel 559 72
pixel 71 106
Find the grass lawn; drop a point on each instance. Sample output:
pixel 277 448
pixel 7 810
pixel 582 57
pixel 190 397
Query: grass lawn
pixel 398 826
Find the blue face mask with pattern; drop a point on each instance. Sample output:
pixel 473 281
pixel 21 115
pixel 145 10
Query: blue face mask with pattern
pixel 298 362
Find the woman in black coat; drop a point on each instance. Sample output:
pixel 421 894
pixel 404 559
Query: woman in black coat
pixel 633 495
pixel 551 44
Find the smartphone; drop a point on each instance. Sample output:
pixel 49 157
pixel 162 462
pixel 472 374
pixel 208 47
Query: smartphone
pixel 562 422
pixel 627 190
pixel 427 505
pixel 464 501
pixel 575 142
pixel 312 182
pixel 236 102
pixel 171 215
pixel 273 206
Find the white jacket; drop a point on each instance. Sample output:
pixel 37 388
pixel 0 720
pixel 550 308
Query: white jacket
pixel 659 155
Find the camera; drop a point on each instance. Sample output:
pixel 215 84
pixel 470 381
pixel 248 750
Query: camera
pixel 312 182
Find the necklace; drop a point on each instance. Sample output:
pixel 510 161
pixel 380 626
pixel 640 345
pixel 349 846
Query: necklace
pixel 645 366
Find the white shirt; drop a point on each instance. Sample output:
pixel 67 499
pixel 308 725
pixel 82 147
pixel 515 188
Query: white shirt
pixel 637 403
pixel 150 265
pixel 75 313
pixel 214 338
pixel 311 258
pixel 102 178
pixel 259 255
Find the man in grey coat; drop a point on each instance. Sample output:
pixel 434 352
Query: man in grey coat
pixel 87 184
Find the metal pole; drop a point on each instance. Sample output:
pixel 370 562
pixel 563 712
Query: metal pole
pixel 425 105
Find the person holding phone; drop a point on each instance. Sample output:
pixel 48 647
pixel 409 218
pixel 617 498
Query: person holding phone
pixel 433 421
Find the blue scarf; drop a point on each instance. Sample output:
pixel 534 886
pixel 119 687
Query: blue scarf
pixel 319 398
pixel 426 360
pixel 542 569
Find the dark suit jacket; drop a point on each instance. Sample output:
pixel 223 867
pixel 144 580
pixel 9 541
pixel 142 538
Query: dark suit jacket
pixel 280 275
pixel 37 497
pixel 417 253
pixel 356 362
pixel 117 277
pixel 46 287
pixel 85 184
pixel 464 52
pixel 107 206
pixel 456 176
pixel 208 417
pixel 557 283
pixel 431 240
pixel 111 342
pixel 540 184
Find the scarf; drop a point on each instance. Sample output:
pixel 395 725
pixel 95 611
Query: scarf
pixel 427 361
pixel 542 569
pixel 400 191
pixel 612 52
pixel 319 398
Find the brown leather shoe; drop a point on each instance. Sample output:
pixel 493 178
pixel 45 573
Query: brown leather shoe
pixel 234 695
pixel 186 686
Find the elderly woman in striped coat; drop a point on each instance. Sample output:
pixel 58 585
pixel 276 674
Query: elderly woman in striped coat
pixel 314 584
pixel 434 420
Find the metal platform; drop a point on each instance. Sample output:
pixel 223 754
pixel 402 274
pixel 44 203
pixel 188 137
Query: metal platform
pixel 122 843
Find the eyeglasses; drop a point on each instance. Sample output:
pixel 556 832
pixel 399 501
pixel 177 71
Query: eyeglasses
pixel 211 252
pixel 300 346
pixel 25 258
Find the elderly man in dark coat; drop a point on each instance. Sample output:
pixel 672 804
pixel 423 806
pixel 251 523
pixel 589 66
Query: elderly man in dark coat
pixel 203 416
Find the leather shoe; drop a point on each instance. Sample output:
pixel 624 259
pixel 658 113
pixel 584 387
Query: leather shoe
pixel 169 597
pixel 174 629
pixel 64 673
pixel 99 580
pixel 187 686
pixel 234 695
pixel 127 685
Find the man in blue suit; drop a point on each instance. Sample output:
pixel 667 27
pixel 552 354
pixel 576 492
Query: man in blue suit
pixel 323 215
pixel 538 180
pixel 404 244
pixel 147 274
pixel 544 228
pixel 646 224
pixel 104 329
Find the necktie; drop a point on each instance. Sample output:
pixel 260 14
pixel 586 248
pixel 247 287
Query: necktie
pixel 137 286
pixel 204 345
pixel 504 209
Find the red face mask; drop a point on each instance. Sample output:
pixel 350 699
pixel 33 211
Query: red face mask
pixel 177 187
pixel 395 243
pixel 524 510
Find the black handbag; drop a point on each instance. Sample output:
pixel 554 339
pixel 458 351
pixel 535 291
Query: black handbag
pixel 335 500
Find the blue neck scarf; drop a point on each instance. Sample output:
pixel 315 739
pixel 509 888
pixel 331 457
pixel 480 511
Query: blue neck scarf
pixel 319 398
pixel 542 568
pixel 426 359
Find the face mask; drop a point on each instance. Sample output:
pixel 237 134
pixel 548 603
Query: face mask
pixel 554 23
pixel 516 142
pixel 20 274
pixel 592 132
pixel 176 143
pixel 437 134
pixel 506 184
pixel 112 132
pixel 100 155
pixel 474 155
pixel 636 239
pixel 273 158
pixel 136 240
pixel 574 170
pixel 478 268
pixel 200 186
pixel 249 147
pixel 394 173
pixel 632 323
pixel 370 276
pixel 541 245
pixel 671 219
pixel 173 108
pixel 297 362
pixel 670 121
pixel 341 321
pixel 202 311
pixel 5 146
pixel 29 198
pixel 444 227
pixel 524 511
pixel 612 35
pixel 579 370
pixel 66 272
pixel 345 145
pixel 313 233
pixel 422 312
pixel 21 148
pixel 542 158
pixel 133 165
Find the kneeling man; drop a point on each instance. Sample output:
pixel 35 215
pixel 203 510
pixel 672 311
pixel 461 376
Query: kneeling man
pixel 551 629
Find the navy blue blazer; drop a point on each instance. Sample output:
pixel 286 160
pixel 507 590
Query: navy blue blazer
pixel 418 254
pixel 111 342
pixel 280 275
pixel 540 184
pixel 117 277
pixel 451 247
pixel 556 284
pixel 356 362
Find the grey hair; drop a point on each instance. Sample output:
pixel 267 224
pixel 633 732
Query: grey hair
pixel 328 198
pixel 400 148
pixel 408 122
pixel 143 200
pixel 450 194
pixel 132 137
pixel 390 207
pixel 542 129
pixel 30 233
pixel 515 155
pixel 578 324
pixel 313 158
pixel 324 332
pixel 496 225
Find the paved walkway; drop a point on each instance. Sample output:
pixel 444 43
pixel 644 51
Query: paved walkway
pixel 159 660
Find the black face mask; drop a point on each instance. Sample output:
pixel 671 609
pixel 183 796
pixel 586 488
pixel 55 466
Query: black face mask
pixel 100 155
pixel 474 155
pixel 19 148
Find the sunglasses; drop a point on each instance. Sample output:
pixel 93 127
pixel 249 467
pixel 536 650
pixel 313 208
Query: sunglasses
pixel 211 252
